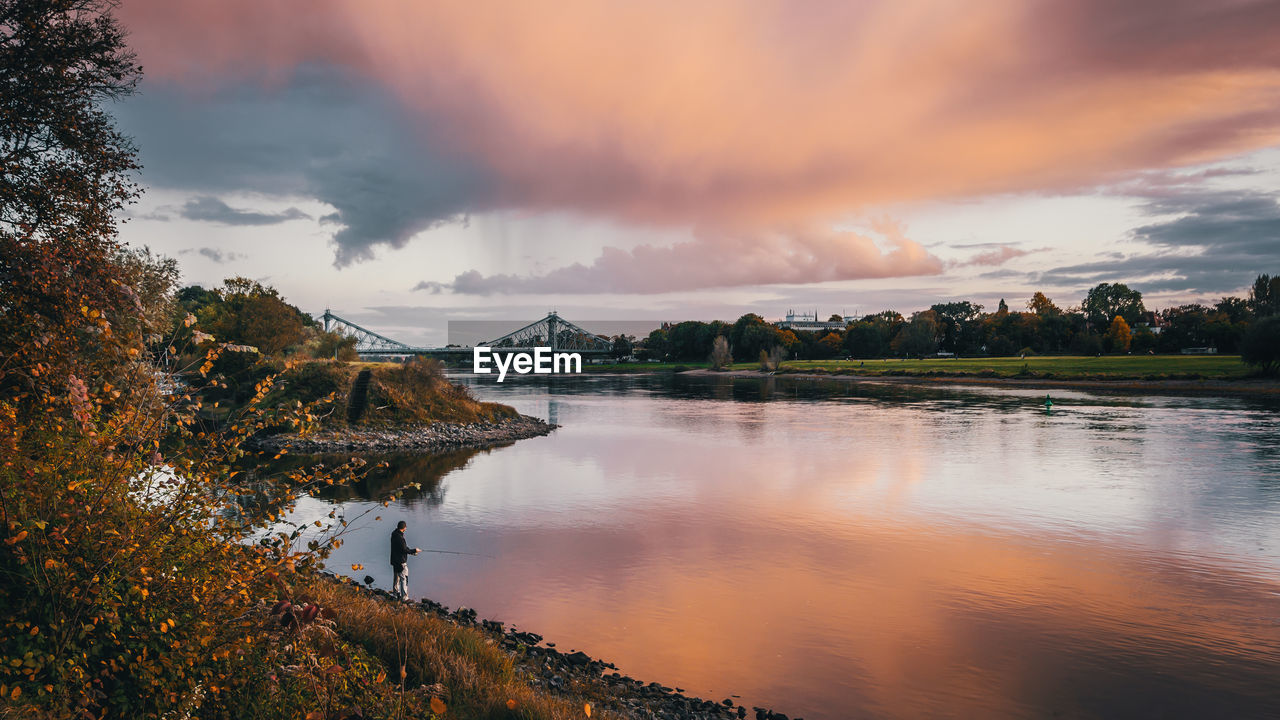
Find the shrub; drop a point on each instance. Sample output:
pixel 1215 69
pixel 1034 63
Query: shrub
pixel 771 360
pixel 1261 345
pixel 721 355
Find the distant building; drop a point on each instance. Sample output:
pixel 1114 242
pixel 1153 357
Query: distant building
pixel 1151 322
pixel 808 322
pixel 1200 351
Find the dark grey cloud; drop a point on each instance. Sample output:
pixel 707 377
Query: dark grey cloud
pixel 1218 242
pixel 215 254
pixel 323 134
pixel 207 208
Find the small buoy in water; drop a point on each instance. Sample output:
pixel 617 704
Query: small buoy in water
pixel 1048 403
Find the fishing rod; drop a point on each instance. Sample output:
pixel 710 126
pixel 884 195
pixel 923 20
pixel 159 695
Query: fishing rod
pixel 455 552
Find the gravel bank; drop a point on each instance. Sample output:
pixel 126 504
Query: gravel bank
pixel 427 438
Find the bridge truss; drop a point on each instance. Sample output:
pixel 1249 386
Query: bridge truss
pixel 551 331
pixel 554 332
pixel 368 342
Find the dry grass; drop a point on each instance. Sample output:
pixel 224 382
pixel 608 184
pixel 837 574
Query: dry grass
pixel 475 675
pixel 419 392
pixel 416 392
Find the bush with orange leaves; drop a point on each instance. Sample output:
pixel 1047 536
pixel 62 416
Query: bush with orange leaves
pixel 140 575
pixel 127 585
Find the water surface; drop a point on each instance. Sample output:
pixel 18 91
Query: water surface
pixel 856 549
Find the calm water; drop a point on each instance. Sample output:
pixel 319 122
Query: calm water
pixel 838 550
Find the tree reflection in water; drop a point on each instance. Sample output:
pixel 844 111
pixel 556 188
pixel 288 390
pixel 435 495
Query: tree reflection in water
pixel 412 477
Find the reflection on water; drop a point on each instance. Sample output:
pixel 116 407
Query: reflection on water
pixel 853 549
pixel 412 477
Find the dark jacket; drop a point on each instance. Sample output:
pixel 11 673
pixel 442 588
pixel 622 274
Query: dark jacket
pixel 400 550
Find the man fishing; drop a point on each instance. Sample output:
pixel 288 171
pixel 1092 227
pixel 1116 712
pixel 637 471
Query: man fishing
pixel 400 552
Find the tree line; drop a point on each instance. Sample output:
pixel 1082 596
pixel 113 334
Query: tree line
pixel 1111 319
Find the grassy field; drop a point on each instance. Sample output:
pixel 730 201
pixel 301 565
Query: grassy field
pixel 1107 367
pixel 628 367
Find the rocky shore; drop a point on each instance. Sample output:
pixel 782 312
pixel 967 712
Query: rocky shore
pixel 567 673
pixel 433 437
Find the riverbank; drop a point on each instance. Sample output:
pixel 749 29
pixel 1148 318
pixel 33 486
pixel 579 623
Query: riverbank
pixel 422 437
pixel 1250 387
pixel 536 663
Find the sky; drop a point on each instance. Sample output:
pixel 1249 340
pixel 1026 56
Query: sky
pixel 409 163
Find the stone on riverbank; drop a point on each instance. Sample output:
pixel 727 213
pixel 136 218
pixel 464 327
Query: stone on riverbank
pixel 431 437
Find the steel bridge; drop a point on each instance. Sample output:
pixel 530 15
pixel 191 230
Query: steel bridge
pixel 551 331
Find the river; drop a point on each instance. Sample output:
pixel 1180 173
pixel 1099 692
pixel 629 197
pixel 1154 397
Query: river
pixel 843 549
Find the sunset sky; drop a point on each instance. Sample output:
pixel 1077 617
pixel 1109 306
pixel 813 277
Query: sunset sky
pixel 407 163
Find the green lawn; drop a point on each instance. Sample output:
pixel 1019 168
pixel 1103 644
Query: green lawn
pixel 628 367
pixel 1107 367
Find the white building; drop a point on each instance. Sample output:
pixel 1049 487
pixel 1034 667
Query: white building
pixel 808 322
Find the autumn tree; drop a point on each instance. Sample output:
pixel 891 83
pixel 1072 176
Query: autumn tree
pixel 246 312
pixel 750 335
pixel 1041 305
pixel 129 589
pixel 66 172
pixel 833 343
pixel 1118 335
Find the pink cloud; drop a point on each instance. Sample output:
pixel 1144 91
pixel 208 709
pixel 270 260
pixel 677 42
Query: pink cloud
pixel 770 114
pixel 995 256
pixel 722 259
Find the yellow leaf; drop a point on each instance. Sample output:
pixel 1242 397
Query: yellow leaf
pixel 587 709
pixel 511 704
pixel 16 692
pixel 438 706
pixel 381 676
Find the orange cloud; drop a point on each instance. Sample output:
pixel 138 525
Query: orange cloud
pixel 723 259
pixel 769 114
